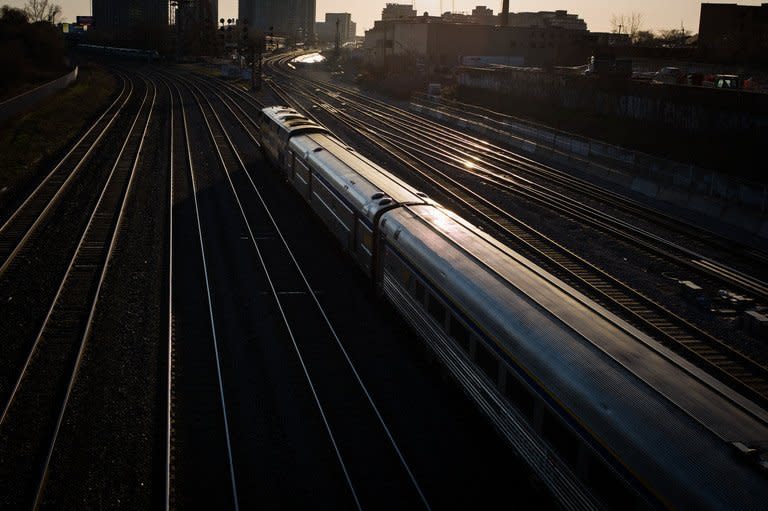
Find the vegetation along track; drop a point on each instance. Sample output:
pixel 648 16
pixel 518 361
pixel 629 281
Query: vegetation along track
pixel 33 411
pixel 23 222
pixel 731 366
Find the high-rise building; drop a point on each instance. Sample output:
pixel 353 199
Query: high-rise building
pixel 135 22
pixel 193 24
pixel 397 11
pixel 734 33
pixel 326 30
pixel 294 19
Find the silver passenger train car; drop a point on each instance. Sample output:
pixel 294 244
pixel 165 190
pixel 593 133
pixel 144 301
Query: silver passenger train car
pixel 602 413
pixel 348 192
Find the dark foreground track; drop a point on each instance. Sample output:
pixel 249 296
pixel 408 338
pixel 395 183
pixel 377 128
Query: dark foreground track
pixel 35 407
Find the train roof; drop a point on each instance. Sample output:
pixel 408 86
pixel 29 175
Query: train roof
pixel 369 186
pixel 672 425
pixel 291 121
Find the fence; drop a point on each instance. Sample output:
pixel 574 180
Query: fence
pixel 29 99
pixel 650 175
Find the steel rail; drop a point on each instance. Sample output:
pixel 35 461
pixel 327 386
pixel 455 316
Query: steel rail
pixel 675 224
pixel 27 218
pixel 169 318
pixel 737 370
pixel 211 316
pixel 310 290
pixel 123 203
pixel 536 168
pixel 217 144
pixel 78 251
pixel 667 249
pixel 559 479
pixel 565 205
pixel 77 296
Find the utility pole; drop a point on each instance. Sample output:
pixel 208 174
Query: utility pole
pixel 505 13
pixel 253 71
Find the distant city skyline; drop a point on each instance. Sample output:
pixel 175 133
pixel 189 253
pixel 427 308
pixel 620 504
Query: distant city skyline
pixel 657 14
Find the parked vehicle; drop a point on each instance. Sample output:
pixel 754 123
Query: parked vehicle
pixel 669 75
pixel 732 82
pixel 609 65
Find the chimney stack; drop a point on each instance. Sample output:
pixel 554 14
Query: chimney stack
pixel 504 13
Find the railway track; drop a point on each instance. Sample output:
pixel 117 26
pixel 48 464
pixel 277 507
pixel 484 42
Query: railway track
pixel 186 167
pixel 570 493
pixel 522 178
pixel 170 353
pixel 25 220
pixel 533 169
pixel 33 413
pixel 637 210
pixel 308 326
pixel 734 368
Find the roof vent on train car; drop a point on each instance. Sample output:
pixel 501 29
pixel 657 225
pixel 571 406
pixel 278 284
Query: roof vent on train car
pixel 351 150
pixel 385 202
pixel 422 195
pixel 317 149
pixel 377 196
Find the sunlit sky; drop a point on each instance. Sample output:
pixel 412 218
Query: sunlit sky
pixel 657 14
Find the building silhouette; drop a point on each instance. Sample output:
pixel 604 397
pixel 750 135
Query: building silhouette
pixel 397 11
pixel 734 33
pixel 194 24
pixel 326 30
pixel 294 19
pixel 142 23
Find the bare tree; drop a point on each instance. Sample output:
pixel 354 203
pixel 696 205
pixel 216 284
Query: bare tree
pixel 645 38
pixel 42 10
pixel 629 24
pixel 675 37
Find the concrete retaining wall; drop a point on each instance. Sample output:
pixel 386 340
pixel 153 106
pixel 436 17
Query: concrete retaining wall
pixel 28 100
pixel 702 191
pixel 694 109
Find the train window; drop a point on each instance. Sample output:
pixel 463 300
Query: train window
pixel 436 310
pixel 519 395
pixel 565 442
pixel 419 292
pixel 460 333
pixel 487 362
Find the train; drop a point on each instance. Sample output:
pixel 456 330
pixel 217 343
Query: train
pixel 128 53
pixel 604 415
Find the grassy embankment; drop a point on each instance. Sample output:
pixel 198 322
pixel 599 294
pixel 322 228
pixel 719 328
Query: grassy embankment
pixel 29 140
